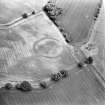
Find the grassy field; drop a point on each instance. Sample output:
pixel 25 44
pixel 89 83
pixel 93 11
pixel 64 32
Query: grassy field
pixel 10 10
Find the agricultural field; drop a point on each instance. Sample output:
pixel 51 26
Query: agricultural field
pixel 78 18
pixel 36 43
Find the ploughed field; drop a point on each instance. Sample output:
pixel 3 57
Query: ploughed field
pixel 33 48
pixel 78 18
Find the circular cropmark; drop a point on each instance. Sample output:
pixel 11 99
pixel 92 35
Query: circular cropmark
pixel 48 47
